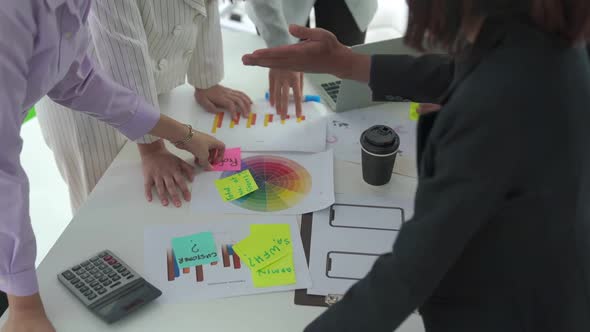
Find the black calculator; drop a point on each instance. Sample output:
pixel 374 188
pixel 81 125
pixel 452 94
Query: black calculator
pixel 108 287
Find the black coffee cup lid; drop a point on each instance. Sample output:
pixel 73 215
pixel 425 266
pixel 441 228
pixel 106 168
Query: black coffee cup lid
pixel 380 140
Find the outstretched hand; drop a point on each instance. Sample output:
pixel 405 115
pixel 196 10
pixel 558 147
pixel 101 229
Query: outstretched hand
pixel 319 52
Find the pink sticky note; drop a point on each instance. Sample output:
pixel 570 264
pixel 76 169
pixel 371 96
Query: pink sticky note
pixel 232 160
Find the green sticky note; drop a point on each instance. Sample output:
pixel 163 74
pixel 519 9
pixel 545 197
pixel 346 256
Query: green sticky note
pixel 414 111
pixel 194 250
pixel 279 273
pixel 236 186
pixel 266 244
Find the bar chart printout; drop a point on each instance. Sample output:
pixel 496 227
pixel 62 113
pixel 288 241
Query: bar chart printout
pixel 226 277
pixel 229 260
pixel 264 130
pixel 252 121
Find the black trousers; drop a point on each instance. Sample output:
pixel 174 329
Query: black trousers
pixel 334 16
pixel 3 303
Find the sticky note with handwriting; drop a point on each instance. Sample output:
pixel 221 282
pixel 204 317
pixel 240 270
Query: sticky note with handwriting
pixel 279 273
pixel 194 250
pixel 414 111
pixel 232 160
pixel 235 186
pixel 266 244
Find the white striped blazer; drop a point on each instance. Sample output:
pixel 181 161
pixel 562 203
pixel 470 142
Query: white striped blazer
pixel 152 46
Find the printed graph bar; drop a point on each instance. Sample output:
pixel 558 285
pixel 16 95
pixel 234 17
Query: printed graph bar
pixel 235 258
pixel 270 117
pixel 186 270
pixel 217 122
pixel 213 263
pixel 176 268
pixel 266 120
pixel 170 265
pixel 220 121
pixel 199 273
pixel 249 122
pixel 225 255
pixel 253 118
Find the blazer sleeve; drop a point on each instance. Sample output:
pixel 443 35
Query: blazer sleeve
pixel 270 20
pixel 122 48
pixel 206 65
pixel 421 79
pixel 452 204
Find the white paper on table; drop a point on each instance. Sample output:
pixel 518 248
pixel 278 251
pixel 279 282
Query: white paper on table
pixel 219 281
pixel 347 238
pixel 293 134
pixel 314 171
pixel 345 129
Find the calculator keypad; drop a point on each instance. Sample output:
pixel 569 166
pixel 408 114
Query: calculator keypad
pixel 96 276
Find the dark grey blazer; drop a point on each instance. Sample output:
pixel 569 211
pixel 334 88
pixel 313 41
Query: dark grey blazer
pixel 500 239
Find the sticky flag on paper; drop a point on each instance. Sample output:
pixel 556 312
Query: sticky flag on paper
pixel 236 186
pixel 196 249
pixel 279 273
pixel 266 244
pixel 414 111
pixel 232 160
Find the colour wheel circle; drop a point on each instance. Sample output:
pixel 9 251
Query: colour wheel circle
pixel 282 183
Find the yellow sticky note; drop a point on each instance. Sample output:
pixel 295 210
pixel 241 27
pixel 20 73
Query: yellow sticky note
pixel 266 244
pixel 236 186
pixel 414 111
pixel 279 273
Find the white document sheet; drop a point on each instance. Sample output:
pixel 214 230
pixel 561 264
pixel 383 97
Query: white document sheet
pixel 348 237
pixel 289 184
pixel 264 130
pixel 345 129
pixel 228 277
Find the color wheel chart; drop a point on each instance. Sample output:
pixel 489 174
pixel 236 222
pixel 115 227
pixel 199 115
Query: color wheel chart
pixel 282 183
pixel 250 121
pixel 229 258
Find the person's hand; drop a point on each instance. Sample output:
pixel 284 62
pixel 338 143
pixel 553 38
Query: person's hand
pixel 280 83
pixel 27 315
pixel 166 172
pixel 428 108
pixel 28 323
pixel 206 149
pixel 218 97
pixel 319 52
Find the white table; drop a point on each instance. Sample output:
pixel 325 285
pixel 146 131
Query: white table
pixel 116 213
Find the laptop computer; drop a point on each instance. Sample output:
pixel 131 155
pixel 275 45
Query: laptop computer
pixel 344 95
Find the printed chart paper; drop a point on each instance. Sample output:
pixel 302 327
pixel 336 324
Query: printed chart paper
pixel 289 184
pixel 263 129
pixel 345 129
pixel 348 237
pixel 226 278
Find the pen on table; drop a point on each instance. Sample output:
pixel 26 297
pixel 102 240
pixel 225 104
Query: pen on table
pixel 306 98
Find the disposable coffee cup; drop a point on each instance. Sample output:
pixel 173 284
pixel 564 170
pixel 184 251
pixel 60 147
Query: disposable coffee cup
pixel 380 145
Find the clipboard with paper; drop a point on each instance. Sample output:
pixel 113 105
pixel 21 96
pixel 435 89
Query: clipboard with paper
pixel 341 244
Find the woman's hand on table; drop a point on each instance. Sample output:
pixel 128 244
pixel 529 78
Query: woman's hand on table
pixel 280 84
pixel 319 52
pixel 207 149
pixel 217 98
pixel 165 171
